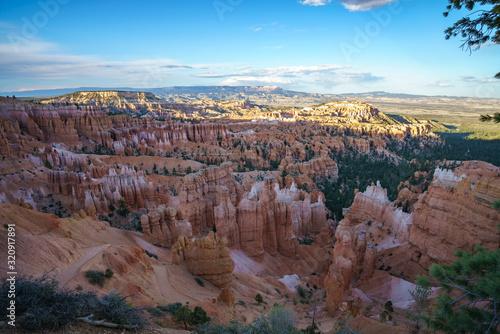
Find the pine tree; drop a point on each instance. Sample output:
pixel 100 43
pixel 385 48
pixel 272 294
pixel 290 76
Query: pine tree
pixel 183 316
pixel 470 299
pixel 421 302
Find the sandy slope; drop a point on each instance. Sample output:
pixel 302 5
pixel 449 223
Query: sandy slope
pixel 74 269
pixel 72 246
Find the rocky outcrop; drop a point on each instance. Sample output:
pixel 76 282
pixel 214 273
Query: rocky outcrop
pixel 123 184
pixel 4 146
pixel 454 213
pixel 207 257
pixel 353 260
pixel 374 206
pixel 205 190
pixel 323 167
pixel 226 296
pixel 161 226
pixel 270 219
pixel 89 128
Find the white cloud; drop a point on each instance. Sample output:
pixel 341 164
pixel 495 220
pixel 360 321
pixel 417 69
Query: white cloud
pixel 256 81
pixel 364 5
pixel 439 84
pixel 469 78
pixel 293 77
pixel 43 64
pixel 45 61
pixel 352 5
pixel 315 2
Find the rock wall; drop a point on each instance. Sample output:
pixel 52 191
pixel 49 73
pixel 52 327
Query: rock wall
pixel 353 260
pixel 205 190
pixel 207 257
pixel 324 167
pixel 125 184
pixel 89 128
pixel 161 227
pixel 374 206
pixel 454 213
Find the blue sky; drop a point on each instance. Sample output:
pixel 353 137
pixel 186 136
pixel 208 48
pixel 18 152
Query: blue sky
pixel 322 46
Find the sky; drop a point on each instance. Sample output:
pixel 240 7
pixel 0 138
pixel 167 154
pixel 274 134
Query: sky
pixel 315 46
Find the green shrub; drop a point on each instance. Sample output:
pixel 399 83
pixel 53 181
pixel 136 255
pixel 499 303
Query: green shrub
pixel 42 305
pixel 153 311
pixel 199 316
pixel 199 281
pixel 260 325
pixel 96 277
pixel 109 273
pixel 187 317
pixel 301 291
pixel 258 298
pixel 170 308
pixel 281 319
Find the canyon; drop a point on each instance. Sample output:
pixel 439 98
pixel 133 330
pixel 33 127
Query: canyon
pixel 167 193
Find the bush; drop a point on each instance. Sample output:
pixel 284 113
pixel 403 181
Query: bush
pixel 194 318
pixel 281 319
pixel 199 316
pixel 42 305
pixel 114 308
pixel 199 281
pixel 109 273
pixel 96 277
pixel 260 325
pixel 123 208
pixel 153 311
pixel 170 308
pixel 301 291
pixel 258 298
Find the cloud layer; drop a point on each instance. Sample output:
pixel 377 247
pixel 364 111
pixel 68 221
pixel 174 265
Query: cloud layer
pixel 315 2
pixel 40 62
pixel 294 77
pixel 352 5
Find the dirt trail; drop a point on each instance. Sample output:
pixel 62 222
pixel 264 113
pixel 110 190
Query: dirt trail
pixel 72 271
pixel 168 291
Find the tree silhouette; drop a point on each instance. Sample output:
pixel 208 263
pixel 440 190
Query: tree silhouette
pixel 478 27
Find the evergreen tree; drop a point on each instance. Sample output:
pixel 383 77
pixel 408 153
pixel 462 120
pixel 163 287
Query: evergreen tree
pixel 487 118
pixel 198 317
pixel 477 28
pixel 421 302
pixel 183 316
pixel 470 299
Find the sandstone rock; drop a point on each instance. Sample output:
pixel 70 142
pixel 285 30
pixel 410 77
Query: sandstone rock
pixel 324 167
pixel 207 257
pixel 334 286
pixel 226 296
pixel 454 213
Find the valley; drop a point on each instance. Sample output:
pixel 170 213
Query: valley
pixel 330 205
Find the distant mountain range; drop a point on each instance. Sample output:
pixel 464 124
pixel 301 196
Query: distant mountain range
pixel 209 91
pixel 264 95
